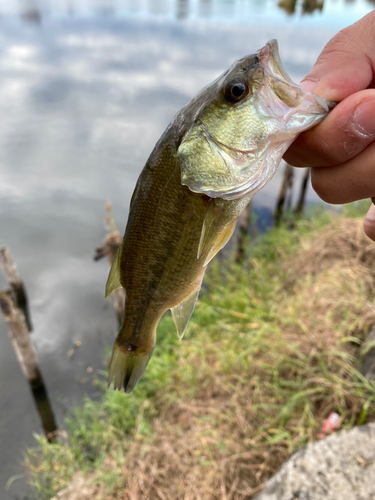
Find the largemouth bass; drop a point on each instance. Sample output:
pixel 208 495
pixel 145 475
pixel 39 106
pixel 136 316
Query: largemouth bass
pixel 217 152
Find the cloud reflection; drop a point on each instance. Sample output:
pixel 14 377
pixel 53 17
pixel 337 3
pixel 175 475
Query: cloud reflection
pixel 32 12
pixel 75 103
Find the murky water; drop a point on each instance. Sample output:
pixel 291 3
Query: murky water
pixel 86 89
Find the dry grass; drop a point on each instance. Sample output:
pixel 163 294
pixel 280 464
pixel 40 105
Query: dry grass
pixel 270 353
pixel 332 279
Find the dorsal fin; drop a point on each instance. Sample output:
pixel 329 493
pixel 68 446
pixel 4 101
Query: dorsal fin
pixel 114 279
pixel 183 311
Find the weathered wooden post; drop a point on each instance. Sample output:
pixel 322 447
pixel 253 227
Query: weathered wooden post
pixel 13 303
pixel 302 195
pixel 15 282
pixel 286 185
pixel 243 232
pixel 19 334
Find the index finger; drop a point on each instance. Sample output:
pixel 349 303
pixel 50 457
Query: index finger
pixel 344 133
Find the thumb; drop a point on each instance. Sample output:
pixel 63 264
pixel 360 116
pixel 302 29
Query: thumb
pixel 347 63
pixel 369 222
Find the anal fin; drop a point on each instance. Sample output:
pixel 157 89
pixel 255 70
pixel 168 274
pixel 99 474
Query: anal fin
pixel 183 311
pixel 114 279
pixel 221 241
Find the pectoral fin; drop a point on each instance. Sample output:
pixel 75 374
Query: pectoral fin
pixel 221 241
pixel 183 311
pixel 206 226
pixel 114 280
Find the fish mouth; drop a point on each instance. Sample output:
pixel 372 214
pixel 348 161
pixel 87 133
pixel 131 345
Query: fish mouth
pixel 271 62
pixel 272 65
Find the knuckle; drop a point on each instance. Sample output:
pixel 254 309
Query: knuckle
pixel 350 41
pixel 337 47
pixel 327 152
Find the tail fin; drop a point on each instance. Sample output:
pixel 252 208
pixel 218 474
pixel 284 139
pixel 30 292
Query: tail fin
pixel 127 367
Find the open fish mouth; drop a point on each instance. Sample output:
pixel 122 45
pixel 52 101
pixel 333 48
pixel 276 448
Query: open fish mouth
pixel 273 67
pixel 271 62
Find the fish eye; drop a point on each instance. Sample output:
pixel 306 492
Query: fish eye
pixel 235 90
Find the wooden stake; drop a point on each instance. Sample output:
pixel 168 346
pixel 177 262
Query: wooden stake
pixel 301 200
pixel 286 185
pixel 15 282
pixel 19 334
pixel 243 228
pixel 13 304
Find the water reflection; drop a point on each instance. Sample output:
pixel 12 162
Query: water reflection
pixel 182 9
pixel 240 11
pixel 158 7
pixel 29 12
pixel 106 8
pixel 310 6
pixel 305 7
pixel 205 8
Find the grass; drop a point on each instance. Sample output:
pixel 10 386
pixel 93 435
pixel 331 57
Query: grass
pixel 271 350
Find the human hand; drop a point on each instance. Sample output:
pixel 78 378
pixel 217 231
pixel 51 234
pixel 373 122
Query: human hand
pixel 341 149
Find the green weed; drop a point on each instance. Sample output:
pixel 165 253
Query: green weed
pixel 270 351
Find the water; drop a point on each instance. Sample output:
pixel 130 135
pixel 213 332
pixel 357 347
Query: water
pixel 86 89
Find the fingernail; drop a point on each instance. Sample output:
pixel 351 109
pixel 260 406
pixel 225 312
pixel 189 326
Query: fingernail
pixel 364 117
pixel 323 87
pixel 309 85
